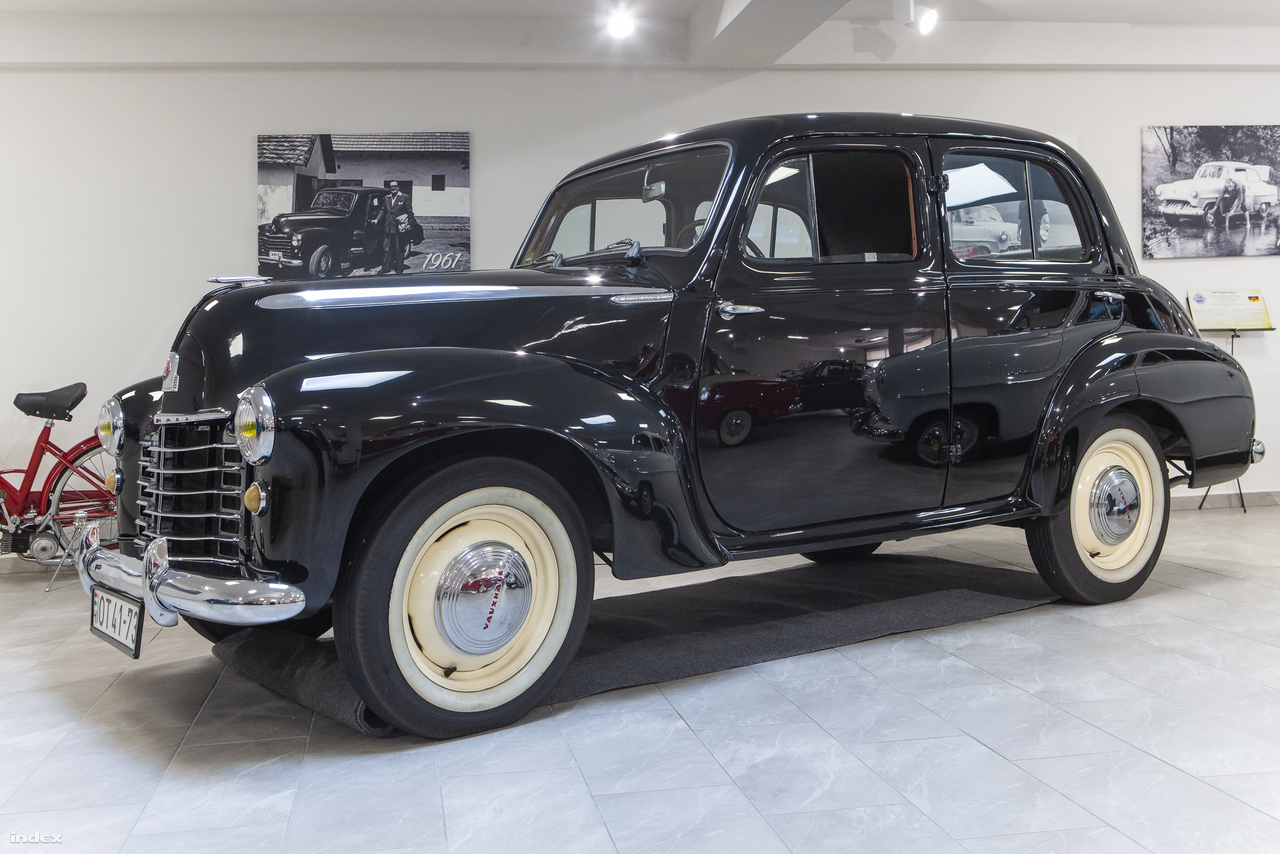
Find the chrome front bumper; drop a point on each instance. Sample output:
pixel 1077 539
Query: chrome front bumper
pixel 168 592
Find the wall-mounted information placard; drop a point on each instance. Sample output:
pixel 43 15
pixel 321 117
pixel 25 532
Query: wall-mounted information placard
pixel 1224 309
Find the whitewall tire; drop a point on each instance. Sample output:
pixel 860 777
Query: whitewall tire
pixel 1107 542
pixel 469 599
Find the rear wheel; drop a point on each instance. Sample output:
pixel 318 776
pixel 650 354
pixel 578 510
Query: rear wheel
pixel 84 488
pixel 1106 543
pixel 842 555
pixel 735 426
pixel 469 599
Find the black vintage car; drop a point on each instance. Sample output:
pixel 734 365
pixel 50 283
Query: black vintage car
pixel 344 230
pixel 434 463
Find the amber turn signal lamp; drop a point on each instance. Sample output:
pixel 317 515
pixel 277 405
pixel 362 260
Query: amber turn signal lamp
pixel 114 481
pixel 255 498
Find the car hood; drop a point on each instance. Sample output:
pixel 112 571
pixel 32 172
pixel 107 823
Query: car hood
pixel 242 335
pixel 295 221
pixel 1182 189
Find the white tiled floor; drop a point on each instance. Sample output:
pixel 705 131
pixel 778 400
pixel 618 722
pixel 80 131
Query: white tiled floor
pixel 1148 725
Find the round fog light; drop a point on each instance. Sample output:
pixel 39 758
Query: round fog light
pixel 115 481
pixel 255 498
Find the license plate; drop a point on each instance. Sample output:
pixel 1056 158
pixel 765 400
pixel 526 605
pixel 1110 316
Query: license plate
pixel 274 255
pixel 117 619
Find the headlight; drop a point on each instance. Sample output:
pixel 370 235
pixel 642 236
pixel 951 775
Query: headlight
pixel 296 240
pixel 1160 192
pixel 255 425
pixel 111 426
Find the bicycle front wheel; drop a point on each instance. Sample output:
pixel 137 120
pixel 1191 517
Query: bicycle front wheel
pixel 83 487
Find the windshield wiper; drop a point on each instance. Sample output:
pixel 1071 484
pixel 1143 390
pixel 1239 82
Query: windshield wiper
pixel 632 258
pixel 556 259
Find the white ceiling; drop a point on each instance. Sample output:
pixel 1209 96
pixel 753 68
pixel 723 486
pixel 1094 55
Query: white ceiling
pixel 725 34
pixel 1175 12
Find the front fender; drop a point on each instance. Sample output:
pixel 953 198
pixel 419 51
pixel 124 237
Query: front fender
pixel 140 402
pixel 343 421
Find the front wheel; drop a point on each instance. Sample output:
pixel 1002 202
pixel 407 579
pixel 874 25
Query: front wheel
pixel 1106 543
pixel 468 600
pixel 321 265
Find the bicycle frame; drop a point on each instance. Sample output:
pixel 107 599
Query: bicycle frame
pixel 24 500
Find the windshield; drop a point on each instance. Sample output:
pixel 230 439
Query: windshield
pixel 1209 172
pixel 333 200
pixel 661 202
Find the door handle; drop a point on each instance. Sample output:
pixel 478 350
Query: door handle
pixel 729 309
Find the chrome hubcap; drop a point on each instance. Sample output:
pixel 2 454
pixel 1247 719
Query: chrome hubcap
pixel 1114 505
pixel 483 598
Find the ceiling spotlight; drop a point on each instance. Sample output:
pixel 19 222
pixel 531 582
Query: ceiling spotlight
pixel 620 24
pixel 910 14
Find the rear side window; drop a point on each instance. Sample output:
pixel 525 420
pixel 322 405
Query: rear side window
pixel 836 207
pixel 1008 208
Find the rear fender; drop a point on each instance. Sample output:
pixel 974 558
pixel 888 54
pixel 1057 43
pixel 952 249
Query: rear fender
pixel 1203 390
pixel 345 420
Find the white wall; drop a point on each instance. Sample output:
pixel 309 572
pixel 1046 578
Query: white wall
pixel 126 189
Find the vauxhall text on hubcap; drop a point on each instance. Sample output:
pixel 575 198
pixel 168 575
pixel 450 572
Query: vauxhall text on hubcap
pixel 1114 505
pixel 483 598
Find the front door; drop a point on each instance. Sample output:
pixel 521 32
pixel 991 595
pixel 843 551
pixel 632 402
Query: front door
pixel 366 239
pixel 831 273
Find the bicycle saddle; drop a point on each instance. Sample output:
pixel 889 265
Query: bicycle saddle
pixel 56 404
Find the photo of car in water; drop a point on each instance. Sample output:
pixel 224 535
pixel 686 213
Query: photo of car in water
pixel 1207 190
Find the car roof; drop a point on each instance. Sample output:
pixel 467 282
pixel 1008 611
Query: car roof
pixel 765 129
pixel 750 138
pixel 360 189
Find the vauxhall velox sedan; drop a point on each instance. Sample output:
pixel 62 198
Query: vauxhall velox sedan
pixel 430 465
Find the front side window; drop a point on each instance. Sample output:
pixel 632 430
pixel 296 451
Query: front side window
pixel 855 206
pixel 662 202
pixel 1008 208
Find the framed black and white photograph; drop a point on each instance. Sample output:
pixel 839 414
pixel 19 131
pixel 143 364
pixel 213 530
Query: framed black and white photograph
pixel 1209 190
pixel 363 204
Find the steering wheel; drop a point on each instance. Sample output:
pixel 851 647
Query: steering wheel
pixel 752 248
pixel 689 229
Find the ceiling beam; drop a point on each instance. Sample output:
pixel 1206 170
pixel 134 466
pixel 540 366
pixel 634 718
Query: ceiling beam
pixel 753 33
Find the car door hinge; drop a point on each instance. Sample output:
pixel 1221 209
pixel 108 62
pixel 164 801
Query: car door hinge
pixel 939 184
pixel 952 453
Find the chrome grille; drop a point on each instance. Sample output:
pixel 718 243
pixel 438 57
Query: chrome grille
pixel 192 479
pixel 274 243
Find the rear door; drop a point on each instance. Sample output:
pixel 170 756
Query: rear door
pixel 1024 262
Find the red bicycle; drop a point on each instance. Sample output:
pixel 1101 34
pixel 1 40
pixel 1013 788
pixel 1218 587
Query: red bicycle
pixel 38 522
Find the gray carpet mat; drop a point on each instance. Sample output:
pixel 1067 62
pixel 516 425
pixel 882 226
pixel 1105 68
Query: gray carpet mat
pixel 687 631
pixel 733 622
